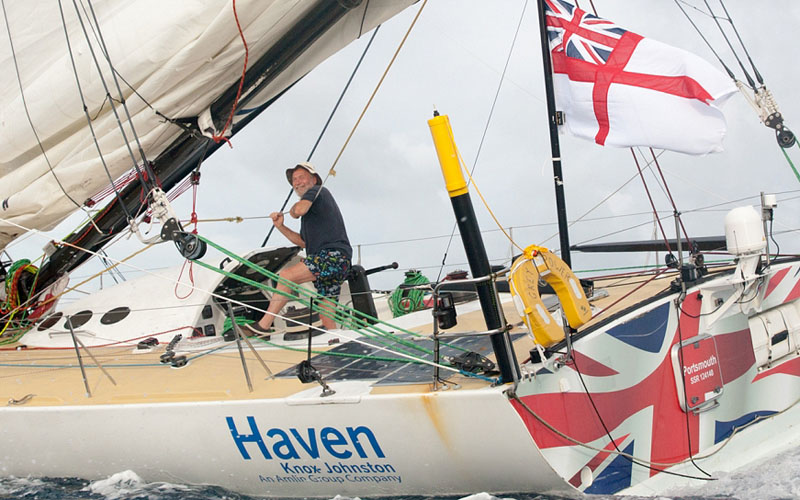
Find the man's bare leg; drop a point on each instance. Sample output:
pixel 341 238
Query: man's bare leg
pixel 327 322
pixel 298 274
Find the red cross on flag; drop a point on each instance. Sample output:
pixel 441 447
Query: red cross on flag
pixel 620 89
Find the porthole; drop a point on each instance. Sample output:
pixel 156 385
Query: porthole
pixel 50 321
pixel 115 315
pixel 78 319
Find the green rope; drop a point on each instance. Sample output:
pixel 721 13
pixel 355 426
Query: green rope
pixel 15 337
pixel 374 333
pixel 406 299
pixel 11 307
pixel 347 316
pixel 791 164
pixel 378 358
pixel 343 354
pixel 239 321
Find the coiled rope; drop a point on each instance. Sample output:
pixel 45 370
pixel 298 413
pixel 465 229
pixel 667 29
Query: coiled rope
pixel 409 295
pixel 12 306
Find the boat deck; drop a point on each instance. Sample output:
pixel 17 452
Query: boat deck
pixel 52 377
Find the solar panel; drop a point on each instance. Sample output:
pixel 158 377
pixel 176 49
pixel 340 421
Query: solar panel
pixel 356 360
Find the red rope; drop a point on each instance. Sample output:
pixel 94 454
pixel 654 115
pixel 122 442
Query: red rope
pixel 194 329
pixel 608 308
pixel 195 179
pixel 652 204
pixel 221 136
pixel 191 279
pixel 669 195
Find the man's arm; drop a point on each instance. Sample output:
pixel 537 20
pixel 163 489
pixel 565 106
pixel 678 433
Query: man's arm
pixel 292 236
pixel 300 208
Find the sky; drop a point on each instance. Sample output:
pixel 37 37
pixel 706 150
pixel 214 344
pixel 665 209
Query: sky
pixel 389 185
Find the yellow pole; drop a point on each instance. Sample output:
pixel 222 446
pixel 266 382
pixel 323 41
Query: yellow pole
pixel 473 244
pixel 448 156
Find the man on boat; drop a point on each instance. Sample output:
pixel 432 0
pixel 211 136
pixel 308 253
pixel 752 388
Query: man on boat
pixel 322 234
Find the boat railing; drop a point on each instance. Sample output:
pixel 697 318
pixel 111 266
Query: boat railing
pixel 444 315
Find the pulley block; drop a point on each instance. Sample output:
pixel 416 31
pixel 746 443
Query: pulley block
pixel 190 246
pixel 472 362
pixel 785 137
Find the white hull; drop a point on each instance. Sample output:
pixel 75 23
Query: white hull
pixel 423 444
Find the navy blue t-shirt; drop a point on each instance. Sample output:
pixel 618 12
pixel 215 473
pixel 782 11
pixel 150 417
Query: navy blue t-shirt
pixel 322 227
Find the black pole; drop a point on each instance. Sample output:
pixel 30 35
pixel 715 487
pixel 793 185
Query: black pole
pixel 480 267
pixel 561 204
pixel 473 244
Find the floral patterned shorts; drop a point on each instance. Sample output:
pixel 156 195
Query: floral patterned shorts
pixel 330 267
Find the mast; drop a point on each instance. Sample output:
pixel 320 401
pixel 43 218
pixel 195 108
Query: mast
pixel 555 148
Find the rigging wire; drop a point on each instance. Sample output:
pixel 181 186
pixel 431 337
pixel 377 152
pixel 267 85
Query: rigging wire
pixel 584 219
pixel 601 202
pixel 652 173
pixel 485 130
pixel 30 120
pixel 193 132
pixel 665 187
pixel 377 334
pixel 652 203
pixel 115 272
pixel 328 122
pixel 332 170
pixel 86 110
pixel 669 195
pixel 396 350
pixel 148 177
pixel 736 31
pixel 750 81
pixel 708 44
pixel 678 309
pixel 757 95
pixel 363 18
pixel 104 50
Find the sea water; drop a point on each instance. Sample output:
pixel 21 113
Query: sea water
pixel 776 478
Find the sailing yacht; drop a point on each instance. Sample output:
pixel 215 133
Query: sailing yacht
pixel 632 384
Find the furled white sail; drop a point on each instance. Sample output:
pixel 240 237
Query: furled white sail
pixel 178 56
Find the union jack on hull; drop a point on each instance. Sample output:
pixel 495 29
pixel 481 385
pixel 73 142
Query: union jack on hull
pixel 636 407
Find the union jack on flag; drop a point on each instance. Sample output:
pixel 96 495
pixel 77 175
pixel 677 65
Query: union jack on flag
pixel 594 42
pixel 621 89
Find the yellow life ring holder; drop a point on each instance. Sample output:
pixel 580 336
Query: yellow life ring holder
pixel 539 262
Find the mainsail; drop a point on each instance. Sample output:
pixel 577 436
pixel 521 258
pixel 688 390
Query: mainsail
pixel 176 60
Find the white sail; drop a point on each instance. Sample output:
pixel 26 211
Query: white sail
pixel 178 56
